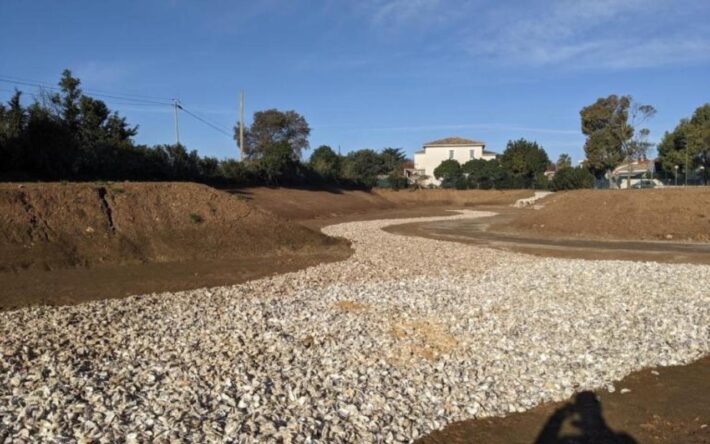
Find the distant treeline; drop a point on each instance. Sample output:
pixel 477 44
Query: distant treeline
pixel 70 136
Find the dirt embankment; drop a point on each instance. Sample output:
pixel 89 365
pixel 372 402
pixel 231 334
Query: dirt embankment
pixel 48 226
pixel 68 243
pixel 304 204
pixel 680 214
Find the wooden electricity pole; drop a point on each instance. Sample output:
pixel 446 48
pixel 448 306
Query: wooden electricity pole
pixel 177 131
pixel 241 125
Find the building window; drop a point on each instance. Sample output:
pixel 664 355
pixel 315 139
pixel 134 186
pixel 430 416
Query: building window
pixel 470 154
pixel 451 154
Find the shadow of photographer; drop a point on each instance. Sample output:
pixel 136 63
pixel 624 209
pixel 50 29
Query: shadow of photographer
pixel 580 422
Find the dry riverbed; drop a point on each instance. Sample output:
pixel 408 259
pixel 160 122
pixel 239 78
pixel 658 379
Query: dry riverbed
pixel 402 338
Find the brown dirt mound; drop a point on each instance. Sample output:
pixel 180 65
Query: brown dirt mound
pixel 48 226
pixel 302 204
pixel 661 214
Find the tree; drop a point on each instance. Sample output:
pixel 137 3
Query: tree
pixel 564 161
pixel 636 147
pixel 14 117
pixel 449 173
pixel 397 180
pixel 483 174
pixel 325 162
pixel 611 136
pixel 392 159
pixel 524 160
pixel 272 127
pixel 699 140
pixel 98 124
pixel 363 166
pixel 277 164
pixel 69 100
pixel 572 179
pixel 605 125
pixel 13 122
pixel 688 144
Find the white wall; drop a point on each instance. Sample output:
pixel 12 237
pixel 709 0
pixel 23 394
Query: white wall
pixel 434 155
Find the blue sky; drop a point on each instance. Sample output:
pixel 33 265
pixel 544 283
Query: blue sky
pixel 370 73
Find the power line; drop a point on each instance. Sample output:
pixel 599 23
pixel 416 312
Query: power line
pixel 205 121
pixel 90 90
pixel 125 99
pixel 111 96
pixel 13 91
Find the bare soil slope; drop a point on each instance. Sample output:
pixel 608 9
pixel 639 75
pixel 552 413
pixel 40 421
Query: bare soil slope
pixel 68 243
pixel 304 204
pixel 660 214
pixel 48 226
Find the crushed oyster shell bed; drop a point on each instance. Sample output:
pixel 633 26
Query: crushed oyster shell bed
pixel 405 336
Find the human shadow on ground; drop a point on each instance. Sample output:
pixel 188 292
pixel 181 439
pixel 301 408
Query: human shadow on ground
pixel 581 422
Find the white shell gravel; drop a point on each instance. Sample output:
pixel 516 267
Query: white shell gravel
pixel 402 338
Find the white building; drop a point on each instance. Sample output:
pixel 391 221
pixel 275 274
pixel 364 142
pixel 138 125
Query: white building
pixel 638 174
pixel 433 153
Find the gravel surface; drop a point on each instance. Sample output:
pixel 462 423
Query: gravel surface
pixel 404 337
pixel 532 201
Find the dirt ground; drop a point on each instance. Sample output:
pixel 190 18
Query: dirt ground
pixel 51 226
pixel 144 238
pixel 331 204
pixel 664 405
pixel 67 243
pixel 674 214
pixel 79 284
pixel 485 231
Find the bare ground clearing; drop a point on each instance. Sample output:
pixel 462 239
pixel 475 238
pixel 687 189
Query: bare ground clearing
pixel 65 243
pixel 487 232
pixel 666 408
pixel 69 243
pixel 663 405
pixel 673 214
pixel 487 331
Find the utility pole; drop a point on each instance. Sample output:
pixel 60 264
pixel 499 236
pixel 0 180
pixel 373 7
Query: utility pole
pixel 177 131
pixel 241 125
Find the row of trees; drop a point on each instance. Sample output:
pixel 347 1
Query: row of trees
pixel 277 140
pixel 688 145
pixel 70 136
pixel 522 165
pixel 615 134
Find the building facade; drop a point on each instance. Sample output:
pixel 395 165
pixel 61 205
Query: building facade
pixel 457 148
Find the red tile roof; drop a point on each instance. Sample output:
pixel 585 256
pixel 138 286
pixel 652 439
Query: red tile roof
pixel 454 141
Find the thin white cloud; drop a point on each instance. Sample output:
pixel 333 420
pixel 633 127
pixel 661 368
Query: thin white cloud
pixel 558 34
pixel 403 12
pixel 614 34
pixel 104 73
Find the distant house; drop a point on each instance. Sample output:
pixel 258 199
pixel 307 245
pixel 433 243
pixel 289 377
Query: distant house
pixel 457 148
pixel 634 173
pixel 550 171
